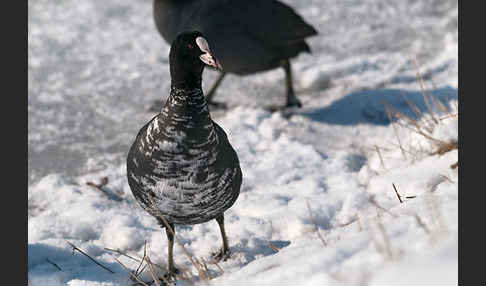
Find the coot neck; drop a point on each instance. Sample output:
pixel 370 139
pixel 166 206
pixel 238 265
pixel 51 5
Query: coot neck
pixel 187 101
pixel 186 111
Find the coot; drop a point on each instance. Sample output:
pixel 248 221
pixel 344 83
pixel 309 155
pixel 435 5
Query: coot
pixel 247 36
pixel 181 167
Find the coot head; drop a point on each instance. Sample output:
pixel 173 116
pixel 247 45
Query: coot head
pixel 189 54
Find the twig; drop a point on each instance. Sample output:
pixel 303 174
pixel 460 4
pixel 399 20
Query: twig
pixel 396 192
pixel 100 186
pixel 122 253
pixel 273 247
pixel 92 259
pixel 453 166
pixel 217 265
pixel 130 272
pixel 144 255
pixel 206 268
pixel 54 264
pixel 103 183
pixel 151 270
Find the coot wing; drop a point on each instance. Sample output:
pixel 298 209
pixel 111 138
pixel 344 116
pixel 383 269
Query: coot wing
pixel 268 21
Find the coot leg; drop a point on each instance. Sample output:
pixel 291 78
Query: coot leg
pixel 224 252
pixel 170 237
pixel 212 92
pixel 292 100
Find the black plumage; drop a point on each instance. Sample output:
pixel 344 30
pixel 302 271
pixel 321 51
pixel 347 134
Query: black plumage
pixel 248 36
pixel 181 167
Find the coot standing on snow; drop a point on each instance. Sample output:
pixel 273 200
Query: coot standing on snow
pixel 181 167
pixel 248 36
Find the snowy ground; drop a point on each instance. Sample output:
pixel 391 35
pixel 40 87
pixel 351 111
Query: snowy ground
pixel 317 205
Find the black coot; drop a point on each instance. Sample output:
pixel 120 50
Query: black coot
pixel 248 36
pixel 181 167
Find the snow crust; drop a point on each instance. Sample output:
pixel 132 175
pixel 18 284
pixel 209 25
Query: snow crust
pixel 317 185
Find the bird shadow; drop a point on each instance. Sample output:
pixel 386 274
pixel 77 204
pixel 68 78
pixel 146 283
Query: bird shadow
pixel 257 248
pixel 370 106
pixel 52 260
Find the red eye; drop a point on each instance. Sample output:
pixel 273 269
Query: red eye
pixel 190 46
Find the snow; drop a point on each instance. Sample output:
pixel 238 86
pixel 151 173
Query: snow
pixel 318 184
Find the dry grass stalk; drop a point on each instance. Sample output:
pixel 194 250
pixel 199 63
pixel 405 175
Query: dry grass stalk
pixel 446 147
pixel 139 260
pixel 410 152
pixel 437 220
pixel 122 253
pixel 412 105
pixel 448 116
pixel 396 192
pixel 217 265
pixel 386 239
pixel 92 259
pixel 373 201
pixel 133 276
pixel 388 112
pixel 202 273
pixel 444 109
pixel 151 270
pixel 360 228
pixel 315 224
pixel 143 258
pixel 421 83
pixel 417 129
pixel 206 268
pixel 379 155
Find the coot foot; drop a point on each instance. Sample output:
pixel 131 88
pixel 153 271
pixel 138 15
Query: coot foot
pixel 293 101
pixel 172 274
pixel 221 255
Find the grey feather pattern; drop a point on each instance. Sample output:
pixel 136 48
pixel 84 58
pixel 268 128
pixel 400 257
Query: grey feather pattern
pixel 184 160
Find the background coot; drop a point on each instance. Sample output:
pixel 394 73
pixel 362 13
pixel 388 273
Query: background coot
pixel 246 36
